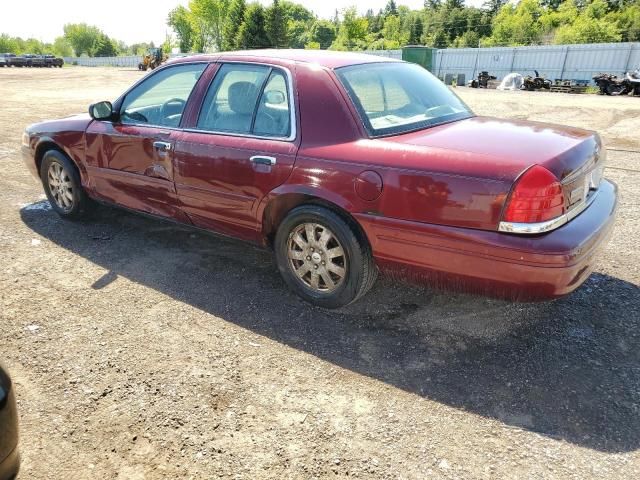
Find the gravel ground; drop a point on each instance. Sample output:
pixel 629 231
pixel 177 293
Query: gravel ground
pixel 142 350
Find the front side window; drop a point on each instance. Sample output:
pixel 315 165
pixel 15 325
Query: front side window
pixel 248 100
pixel 394 98
pixel 161 99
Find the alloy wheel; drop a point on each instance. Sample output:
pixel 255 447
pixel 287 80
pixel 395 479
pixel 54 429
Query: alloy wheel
pixel 316 257
pixel 60 186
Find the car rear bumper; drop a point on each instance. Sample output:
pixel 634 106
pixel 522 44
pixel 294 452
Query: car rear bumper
pixel 10 466
pixel 503 265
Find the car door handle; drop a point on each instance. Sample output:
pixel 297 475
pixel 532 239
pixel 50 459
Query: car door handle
pixel 262 160
pixel 162 146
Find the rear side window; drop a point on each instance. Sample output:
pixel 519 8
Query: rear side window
pixel 249 100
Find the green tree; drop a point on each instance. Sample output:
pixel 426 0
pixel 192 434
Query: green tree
pixel 235 17
pixel 451 4
pixel 82 37
pixel 324 33
pixel 517 25
pixel 493 6
pixel 252 32
pixel 276 25
pixel 391 32
pixel 298 33
pixel 627 21
pixel 7 44
pixel 103 47
pixel 439 39
pixel 468 39
pixel 61 47
pixel 352 31
pixel 590 26
pixel 207 20
pixel 296 12
pixel 417 29
pixel 179 19
pixel 391 8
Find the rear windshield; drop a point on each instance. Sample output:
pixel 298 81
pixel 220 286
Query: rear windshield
pixel 395 98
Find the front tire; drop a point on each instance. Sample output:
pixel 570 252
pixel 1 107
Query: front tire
pixel 322 258
pixel 62 186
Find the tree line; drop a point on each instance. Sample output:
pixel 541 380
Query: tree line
pixel 214 25
pixel 207 25
pixel 78 39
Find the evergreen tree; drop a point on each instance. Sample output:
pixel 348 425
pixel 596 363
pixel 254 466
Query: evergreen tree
pixel 235 17
pixel 432 4
pixel 493 6
pixel 276 25
pixel 417 29
pixel 252 33
pixel 391 8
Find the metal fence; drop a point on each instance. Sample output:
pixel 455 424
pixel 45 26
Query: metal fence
pixel 386 53
pixel 575 62
pixel 124 61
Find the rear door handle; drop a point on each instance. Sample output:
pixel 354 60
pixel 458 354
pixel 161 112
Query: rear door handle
pixel 263 160
pixel 162 147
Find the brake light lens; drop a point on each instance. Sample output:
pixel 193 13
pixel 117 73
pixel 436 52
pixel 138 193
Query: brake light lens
pixel 536 197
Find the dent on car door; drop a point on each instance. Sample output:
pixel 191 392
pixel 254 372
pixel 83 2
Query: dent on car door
pixel 242 146
pixel 130 160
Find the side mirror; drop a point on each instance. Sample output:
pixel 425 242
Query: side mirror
pixel 101 110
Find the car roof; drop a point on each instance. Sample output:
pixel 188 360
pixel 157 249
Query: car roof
pixel 325 58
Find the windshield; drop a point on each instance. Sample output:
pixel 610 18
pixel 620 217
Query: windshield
pixel 395 98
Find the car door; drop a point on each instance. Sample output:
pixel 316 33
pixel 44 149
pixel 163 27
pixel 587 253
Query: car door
pixel 130 159
pixel 241 146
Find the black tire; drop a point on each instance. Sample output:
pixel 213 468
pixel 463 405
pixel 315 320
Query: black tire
pixel 80 204
pixel 361 271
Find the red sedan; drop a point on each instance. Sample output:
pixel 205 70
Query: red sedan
pixel 343 164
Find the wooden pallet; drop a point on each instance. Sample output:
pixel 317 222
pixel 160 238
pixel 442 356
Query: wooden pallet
pixel 568 88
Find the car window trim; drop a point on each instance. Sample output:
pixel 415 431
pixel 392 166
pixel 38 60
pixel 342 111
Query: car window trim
pixel 292 109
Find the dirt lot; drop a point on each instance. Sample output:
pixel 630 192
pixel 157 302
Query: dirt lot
pixel 141 350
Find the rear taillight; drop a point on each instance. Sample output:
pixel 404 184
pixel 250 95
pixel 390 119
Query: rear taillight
pixel 536 197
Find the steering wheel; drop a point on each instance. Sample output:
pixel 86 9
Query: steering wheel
pixel 137 116
pixel 172 102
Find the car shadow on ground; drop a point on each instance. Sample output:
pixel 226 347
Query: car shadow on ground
pixel 568 369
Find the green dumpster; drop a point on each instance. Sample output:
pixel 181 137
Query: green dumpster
pixel 424 56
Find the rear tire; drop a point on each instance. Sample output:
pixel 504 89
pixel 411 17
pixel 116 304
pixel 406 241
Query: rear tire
pixel 322 258
pixel 63 187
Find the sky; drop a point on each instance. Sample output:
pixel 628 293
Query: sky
pixel 133 21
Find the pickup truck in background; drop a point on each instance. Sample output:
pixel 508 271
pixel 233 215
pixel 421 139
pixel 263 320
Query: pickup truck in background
pixel 53 61
pixel 34 60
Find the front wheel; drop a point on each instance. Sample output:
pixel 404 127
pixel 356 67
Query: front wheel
pixel 322 259
pixel 62 186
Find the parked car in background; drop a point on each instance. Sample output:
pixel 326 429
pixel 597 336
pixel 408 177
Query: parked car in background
pixel 34 60
pixel 12 60
pixel 53 61
pixel 342 163
pixel 9 457
pixel 17 61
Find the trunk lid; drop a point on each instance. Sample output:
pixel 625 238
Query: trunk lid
pixel 504 149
